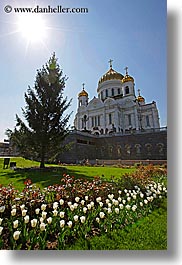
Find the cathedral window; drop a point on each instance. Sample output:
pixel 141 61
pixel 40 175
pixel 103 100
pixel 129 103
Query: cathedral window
pixel 147 121
pixel 95 120
pixel 92 121
pixel 127 90
pixel 110 118
pixel 102 95
pixel 129 119
pixel 119 92
pixel 106 93
pixel 112 92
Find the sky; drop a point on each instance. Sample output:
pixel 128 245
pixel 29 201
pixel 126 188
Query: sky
pixel 132 33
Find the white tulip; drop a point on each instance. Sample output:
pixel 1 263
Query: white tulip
pixel 107 201
pixel 128 207
pixel 77 199
pixel 43 207
pixel 61 214
pixel 37 211
pixel 109 210
pixel 24 212
pixel 82 219
pixel 84 209
pixel 69 224
pixel 55 205
pixel 15 224
pixel 42 226
pixel 44 214
pixel 134 208
pixel 62 223
pixel 61 201
pixel 13 212
pixel 97 219
pixel 75 205
pixel 72 208
pixel 26 219
pixel 98 199
pixel 22 207
pixel 33 223
pixel 49 220
pixel 1 229
pixel 2 209
pixel 16 235
pixel 75 218
pixel 121 206
pixel 55 212
pixel 69 204
pixel 89 206
pixel 101 214
pixel 1 219
pixel 82 202
pixel 117 210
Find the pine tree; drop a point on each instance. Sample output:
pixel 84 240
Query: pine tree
pixel 46 122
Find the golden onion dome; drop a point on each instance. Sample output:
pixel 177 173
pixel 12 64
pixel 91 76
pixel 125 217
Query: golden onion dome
pixel 140 99
pixel 110 75
pixel 83 93
pixel 127 78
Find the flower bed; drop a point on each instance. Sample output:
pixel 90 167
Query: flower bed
pixel 58 215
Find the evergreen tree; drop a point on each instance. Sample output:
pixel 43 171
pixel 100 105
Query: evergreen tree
pixel 46 122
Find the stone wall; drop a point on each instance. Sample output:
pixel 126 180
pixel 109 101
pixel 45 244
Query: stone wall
pixel 140 146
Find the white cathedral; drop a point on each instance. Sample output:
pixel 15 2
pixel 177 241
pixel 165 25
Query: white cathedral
pixel 116 109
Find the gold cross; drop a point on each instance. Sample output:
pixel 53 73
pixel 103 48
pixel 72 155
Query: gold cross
pixel 83 85
pixel 110 62
pixel 126 69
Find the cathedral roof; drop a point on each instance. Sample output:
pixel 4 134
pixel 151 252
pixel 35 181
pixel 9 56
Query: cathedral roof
pixel 140 99
pixel 83 93
pixel 127 77
pixel 110 75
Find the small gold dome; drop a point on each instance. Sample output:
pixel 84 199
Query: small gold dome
pixel 140 99
pixel 110 75
pixel 127 78
pixel 83 93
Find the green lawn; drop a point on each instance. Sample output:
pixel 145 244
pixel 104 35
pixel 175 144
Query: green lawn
pixel 45 178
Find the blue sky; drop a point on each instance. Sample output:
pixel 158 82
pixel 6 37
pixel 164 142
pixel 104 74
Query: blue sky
pixel 132 33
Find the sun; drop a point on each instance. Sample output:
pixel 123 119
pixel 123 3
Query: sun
pixel 32 27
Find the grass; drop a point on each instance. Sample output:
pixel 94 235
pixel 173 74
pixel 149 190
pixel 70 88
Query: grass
pixel 148 233
pixel 45 178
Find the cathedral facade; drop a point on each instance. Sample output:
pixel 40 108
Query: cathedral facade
pixel 117 126
pixel 116 109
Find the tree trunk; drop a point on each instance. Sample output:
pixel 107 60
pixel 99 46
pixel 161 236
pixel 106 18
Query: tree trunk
pixel 42 161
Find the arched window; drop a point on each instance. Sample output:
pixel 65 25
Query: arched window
pixel 147 121
pixel 127 91
pixel 106 93
pixel 102 95
pixel 112 92
pixel 119 91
